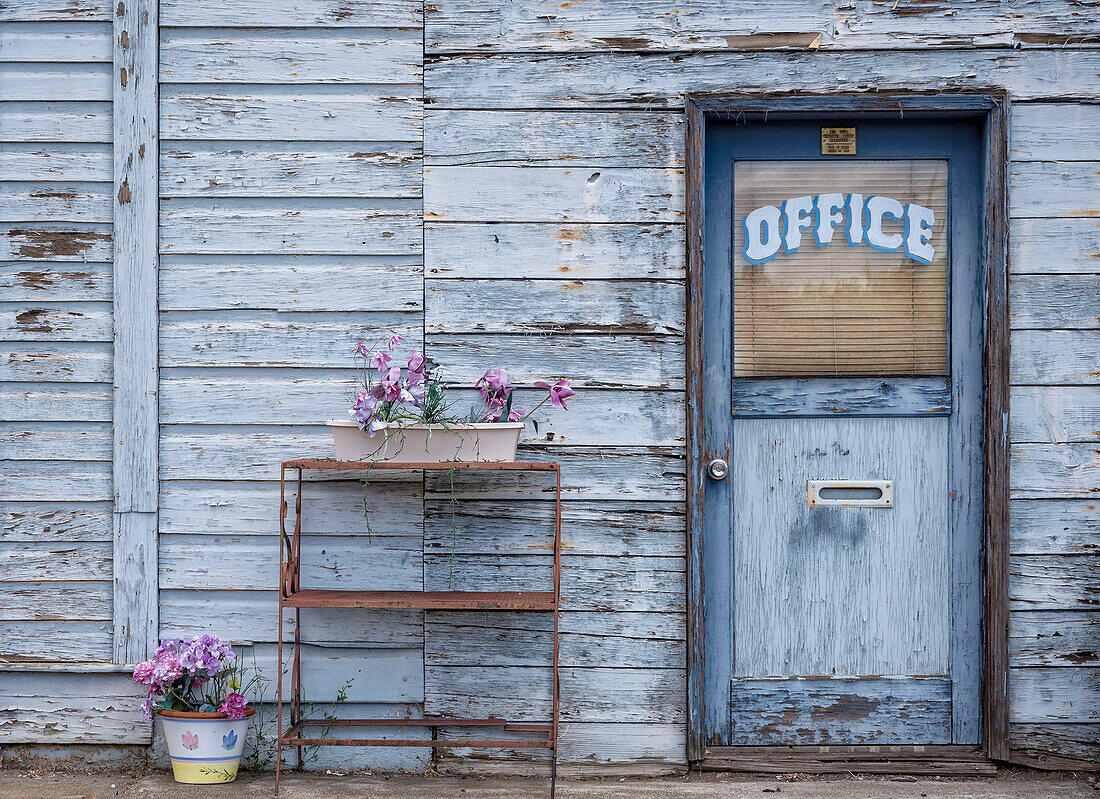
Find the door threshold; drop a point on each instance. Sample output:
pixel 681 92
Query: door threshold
pixel 944 761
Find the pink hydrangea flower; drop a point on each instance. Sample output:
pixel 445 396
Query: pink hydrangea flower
pixel 234 706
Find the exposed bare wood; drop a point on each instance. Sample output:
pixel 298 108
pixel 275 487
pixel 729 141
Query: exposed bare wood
pixel 1054 527
pixel 1055 638
pixel 654 81
pixel 541 26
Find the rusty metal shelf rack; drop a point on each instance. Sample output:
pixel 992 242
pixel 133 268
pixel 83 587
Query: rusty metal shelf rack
pixel 293 596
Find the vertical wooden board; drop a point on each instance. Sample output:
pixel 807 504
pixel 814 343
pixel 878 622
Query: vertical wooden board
pixel 135 347
pixel 892 564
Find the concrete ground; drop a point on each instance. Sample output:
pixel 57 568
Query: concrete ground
pixel 1010 784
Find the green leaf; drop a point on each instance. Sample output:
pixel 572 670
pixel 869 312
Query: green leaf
pixel 507 407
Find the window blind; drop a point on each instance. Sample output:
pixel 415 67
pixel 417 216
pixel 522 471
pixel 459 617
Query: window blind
pixel 841 309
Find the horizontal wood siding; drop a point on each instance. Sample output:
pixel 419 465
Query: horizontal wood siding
pixel 290 227
pixel 554 157
pixel 56 329
pixel 1054 679
pixel 554 247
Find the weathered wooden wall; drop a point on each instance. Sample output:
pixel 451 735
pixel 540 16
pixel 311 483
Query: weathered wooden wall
pixel 553 188
pixel 504 183
pixel 55 362
pixel 290 226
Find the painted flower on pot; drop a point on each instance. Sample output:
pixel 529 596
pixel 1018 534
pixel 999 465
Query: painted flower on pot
pixel 229 740
pixel 189 739
pixel 415 393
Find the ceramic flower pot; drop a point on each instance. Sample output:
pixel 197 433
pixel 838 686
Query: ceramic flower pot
pixel 424 443
pixel 204 747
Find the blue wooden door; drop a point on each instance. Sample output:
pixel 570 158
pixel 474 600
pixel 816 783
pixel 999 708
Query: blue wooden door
pixel 843 391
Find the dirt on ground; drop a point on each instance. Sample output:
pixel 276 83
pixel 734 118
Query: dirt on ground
pixel 1009 784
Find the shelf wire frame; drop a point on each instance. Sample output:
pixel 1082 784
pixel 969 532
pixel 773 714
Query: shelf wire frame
pixel 289 585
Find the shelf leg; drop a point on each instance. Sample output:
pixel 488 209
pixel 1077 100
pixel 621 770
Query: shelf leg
pixel 298 674
pixel 279 702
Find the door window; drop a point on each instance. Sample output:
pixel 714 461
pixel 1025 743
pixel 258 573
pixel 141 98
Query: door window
pixel 840 268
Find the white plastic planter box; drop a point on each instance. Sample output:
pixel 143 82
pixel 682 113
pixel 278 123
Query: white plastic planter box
pixel 423 443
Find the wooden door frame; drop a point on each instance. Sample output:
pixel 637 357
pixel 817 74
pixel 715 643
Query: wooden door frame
pixel 992 108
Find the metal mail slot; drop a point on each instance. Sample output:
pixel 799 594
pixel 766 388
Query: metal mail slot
pixel 850 493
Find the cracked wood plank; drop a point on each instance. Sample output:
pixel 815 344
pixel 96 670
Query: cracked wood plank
pixel 653 140
pixel 293 283
pixel 1054 527
pixel 302 56
pixel 282 226
pixel 486 250
pixel 1054 638
pixel 655 81
pixel 628 307
pixel 293 13
pixel 612 25
pixel 314 169
pixel 1054 582
pixel 272 113
pixel 552 194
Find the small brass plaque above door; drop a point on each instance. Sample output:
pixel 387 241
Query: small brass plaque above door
pixel 838 141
